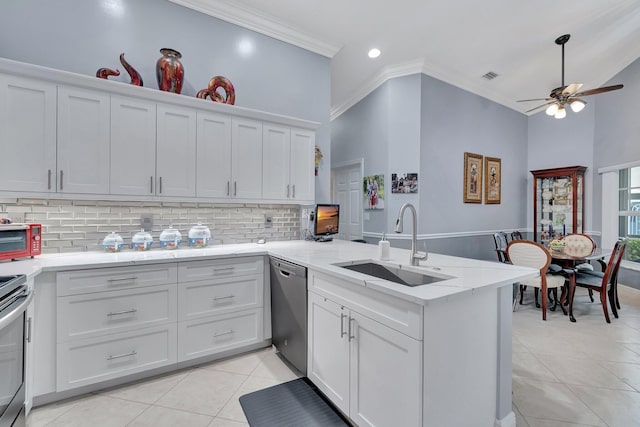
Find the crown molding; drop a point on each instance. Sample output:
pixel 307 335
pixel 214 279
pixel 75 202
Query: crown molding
pixel 389 72
pixel 260 22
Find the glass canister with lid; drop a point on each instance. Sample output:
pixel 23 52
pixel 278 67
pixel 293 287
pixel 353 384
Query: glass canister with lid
pixel 170 238
pixel 112 242
pixel 141 241
pixel 199 236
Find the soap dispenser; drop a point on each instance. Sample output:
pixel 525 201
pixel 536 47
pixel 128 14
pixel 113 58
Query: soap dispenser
pixel 383 248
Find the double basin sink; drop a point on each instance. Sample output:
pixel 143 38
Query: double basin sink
pixel 394 274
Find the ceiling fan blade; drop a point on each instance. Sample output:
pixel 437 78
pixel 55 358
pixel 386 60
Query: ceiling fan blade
pixel 540 106
pixel 534 99
pixel 599 90
pixel 571 89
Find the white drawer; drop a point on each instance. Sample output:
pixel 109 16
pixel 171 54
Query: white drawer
pixel 108 279
pixel 203 337
pixel 218 296
pixel 401 315
pixel 213 269
pixel 89 315
pixel 92 360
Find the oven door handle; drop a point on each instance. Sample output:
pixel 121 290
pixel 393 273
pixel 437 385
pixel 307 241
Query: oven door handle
pixel 14 310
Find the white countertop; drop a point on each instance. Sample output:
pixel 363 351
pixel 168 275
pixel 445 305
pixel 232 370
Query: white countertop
pixel 467 275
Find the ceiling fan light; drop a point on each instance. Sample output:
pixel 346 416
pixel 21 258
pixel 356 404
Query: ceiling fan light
pixel 561 113
pixel 577 105
pixel 552 109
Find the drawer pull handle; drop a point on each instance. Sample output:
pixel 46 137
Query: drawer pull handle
pixel 118 313
pixel 123 279
pixel 219 334
pixel 342 332
pixel 120 356
pixel 224 297
pixel 223 269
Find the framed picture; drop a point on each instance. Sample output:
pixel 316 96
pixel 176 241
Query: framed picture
pixel 373 191
pixel 492 180
pixel 405 183
pixel 472 178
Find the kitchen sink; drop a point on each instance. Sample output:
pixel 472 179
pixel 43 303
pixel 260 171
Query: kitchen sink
pixel 393 274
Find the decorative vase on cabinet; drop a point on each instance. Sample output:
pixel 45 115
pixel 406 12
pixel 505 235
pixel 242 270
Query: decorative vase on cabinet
pixel 169 71
pixel 558 202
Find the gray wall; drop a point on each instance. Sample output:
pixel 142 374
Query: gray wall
pixel 82 36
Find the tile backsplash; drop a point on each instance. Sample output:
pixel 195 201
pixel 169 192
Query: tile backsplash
pixel 80 225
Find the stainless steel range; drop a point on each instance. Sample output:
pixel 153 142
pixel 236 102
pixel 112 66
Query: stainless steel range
pixel 14 298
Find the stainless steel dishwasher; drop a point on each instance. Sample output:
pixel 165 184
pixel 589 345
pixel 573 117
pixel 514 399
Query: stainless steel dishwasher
pixel 289 312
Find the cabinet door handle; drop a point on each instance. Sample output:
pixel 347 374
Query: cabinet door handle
pixel 120 356
pixel 61 175
pixel 160 185
pixel 49 179
pixel 342 332
pixel 350 336
pixel 123 279
pixel 288 190
pixel 223 269
pixel 228 187
pixel 29 329
pixel 151 184
pixel 294 191
pixel 219 334
pixel 118 313
pixel 224 297
pixel 235 188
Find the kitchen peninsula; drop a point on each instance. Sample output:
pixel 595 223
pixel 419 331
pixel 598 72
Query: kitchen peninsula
pixel 431 355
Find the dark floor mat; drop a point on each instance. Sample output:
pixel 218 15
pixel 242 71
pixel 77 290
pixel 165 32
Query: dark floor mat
pixel 294 403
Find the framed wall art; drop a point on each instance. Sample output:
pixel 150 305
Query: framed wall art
pixel 405 183
pixel 373 191
pixel 472 178
pixel 492 180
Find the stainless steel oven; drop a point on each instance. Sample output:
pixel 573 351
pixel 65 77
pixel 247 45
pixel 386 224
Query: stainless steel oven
pixel 14 298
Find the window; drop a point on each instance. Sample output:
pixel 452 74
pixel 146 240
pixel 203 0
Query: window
pixel 629 211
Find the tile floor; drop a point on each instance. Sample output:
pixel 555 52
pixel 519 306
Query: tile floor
pixel 564 375
pixel 577 374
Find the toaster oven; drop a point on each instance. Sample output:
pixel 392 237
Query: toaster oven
pixel 20 241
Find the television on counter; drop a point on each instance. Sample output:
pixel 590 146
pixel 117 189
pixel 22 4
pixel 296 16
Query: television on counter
pixel 327 221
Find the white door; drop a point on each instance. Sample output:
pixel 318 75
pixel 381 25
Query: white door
pixel 83 141
pixel 28 135
pixel 328 355
pixel 176 152
pixel 214 155
pixel 303 184
pixel 276 148
pixel 133 146
pixel 385 375
pixel 246 158
pixel 347 192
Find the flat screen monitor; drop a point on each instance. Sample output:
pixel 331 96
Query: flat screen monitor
pixel 327 220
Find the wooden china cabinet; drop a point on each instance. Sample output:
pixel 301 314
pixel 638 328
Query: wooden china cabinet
pixel 558 202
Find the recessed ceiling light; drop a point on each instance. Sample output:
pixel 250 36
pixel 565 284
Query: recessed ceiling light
pixel 374 53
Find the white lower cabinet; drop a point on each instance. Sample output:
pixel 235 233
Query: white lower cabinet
pixel 88 361
pixel 370 371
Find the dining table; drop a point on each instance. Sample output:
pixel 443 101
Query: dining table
pixel 569 259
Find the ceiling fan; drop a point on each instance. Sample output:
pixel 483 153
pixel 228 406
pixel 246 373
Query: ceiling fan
pixel 567 95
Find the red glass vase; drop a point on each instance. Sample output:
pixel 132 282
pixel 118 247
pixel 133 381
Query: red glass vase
pixel 169 71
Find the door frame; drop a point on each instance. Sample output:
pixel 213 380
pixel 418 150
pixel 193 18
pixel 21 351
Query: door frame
pixel 342 165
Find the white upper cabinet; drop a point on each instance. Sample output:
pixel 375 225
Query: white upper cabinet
pixel 175 152
pixel 133 146
pixel 303 143
pixel 83 141
pixel 246 159
pixel 287 164
pixel 27 134
pixel 213 162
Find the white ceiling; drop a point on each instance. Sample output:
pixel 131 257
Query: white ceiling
pixel 455 41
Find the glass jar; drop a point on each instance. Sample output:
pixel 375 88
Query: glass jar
pixel 199 236
pixel 112 242
pixel 141 241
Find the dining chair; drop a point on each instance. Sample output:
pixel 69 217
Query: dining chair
pixel 516 235
pixel 500 240
pixel 532 254
pixel 605 282
pixel 578 243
